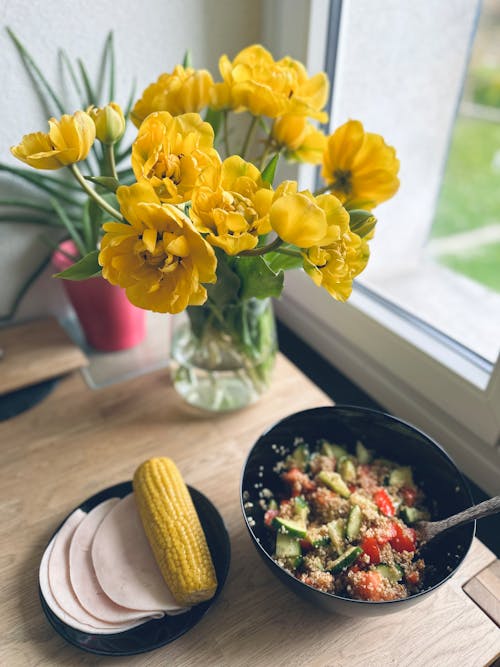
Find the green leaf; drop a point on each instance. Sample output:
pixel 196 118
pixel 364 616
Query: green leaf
pixel 86 267
pixel 89 91
pixel 108 182
pixel 198 318
pixel 95 216
pixel 87 230
pixel 19 203
pixel 214 118
pixel 45 90
pixel 68 223
pixel 278 261
pixel 123 154
pixel 130 102
pixel 362 222
pixel 188 59
pixel 270 169
pixel 19 296
pixel 66 63
pixel 49 186
pixel 28 219
pixel 226 289
pixel 107 63
pixel 257 278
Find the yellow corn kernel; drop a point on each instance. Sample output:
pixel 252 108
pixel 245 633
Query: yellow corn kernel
pixel 174 531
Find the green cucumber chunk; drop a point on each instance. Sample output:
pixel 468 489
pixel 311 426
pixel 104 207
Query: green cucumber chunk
pixel 295 528
pixel 301 508
pixel 272 504
pixel 335 482
pixel 318 540
pixel 392 572
pixel 401 477
pixel 412 514
pixel 287 546
pixel 329 449
pixel 363 455
pixel 354 522
pixel 347 469
pixel 300 456
pixel 345 560
pixel 336 531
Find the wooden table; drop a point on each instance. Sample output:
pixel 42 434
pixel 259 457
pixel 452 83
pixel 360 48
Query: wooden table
pixel 79 441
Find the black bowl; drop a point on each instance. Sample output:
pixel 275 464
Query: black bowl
pixel 445 488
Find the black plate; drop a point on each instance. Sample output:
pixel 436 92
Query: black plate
pixel 158 632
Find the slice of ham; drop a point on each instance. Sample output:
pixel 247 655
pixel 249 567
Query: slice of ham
pixel 56 587
pixel 82 574
pixel 124 563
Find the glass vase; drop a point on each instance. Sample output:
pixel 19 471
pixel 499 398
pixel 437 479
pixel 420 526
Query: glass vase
pixel 222 358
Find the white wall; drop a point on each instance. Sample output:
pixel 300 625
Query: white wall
pixel 151 36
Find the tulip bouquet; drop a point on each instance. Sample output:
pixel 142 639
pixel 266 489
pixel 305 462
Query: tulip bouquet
pixel 204 228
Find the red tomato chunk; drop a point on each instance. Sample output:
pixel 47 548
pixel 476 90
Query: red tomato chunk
pixel 405 539
pixel 370 548
pixel 383 502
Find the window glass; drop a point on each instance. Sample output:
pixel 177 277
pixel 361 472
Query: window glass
pixel 428 80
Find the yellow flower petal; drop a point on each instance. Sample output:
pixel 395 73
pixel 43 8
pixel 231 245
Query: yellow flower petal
pixel 297 219
pixel 69 140
pixel 359 166
pixel 183 91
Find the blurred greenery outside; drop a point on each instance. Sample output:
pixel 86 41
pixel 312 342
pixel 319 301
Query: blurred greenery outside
pixel 470 192
pixel 470 198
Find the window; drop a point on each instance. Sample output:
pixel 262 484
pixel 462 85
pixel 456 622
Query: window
pixel 421 338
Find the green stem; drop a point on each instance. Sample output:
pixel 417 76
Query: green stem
pixel 248 138
pixel 265 154
pixel 109 157
pixel 226 134
pixel 92 193
pixel 263 249
pixel 322 190
pixel 290 253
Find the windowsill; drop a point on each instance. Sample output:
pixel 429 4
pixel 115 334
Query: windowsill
pixel 437 296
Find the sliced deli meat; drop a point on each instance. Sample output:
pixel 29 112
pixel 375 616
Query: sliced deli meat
pixel 124 563
pixel 56 587
pixel 82 574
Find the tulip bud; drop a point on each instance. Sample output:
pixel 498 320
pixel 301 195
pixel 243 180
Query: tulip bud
pixel 362 223
pixel 109 122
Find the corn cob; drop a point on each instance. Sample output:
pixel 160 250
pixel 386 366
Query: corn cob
pixel 174 531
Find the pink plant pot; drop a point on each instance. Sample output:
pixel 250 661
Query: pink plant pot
pixel 108 319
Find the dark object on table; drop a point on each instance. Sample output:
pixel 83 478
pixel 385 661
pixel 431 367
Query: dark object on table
pixel 16 402
pixel 445 488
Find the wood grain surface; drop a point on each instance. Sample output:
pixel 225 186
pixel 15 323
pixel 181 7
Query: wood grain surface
pixel 36 351
pixel 80 441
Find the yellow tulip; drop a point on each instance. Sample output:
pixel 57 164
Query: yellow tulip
pixel 157 255
pixel 185 90
pixel 69 140
pixel 335 265
pixel 360 167
pixel 304 220
pixel 299 139
pixel 171 151
pixel 109 122
pixel 255 82
pixel 230 204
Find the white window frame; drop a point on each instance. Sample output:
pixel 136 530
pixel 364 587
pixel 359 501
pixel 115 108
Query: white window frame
pixel 404 367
